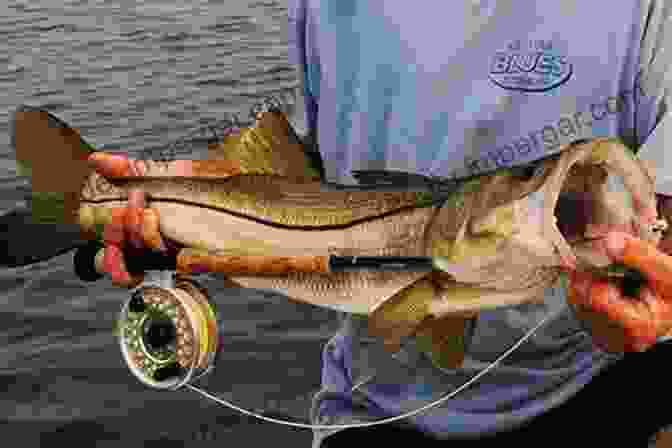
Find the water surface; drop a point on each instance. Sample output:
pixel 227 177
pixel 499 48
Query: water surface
pixel 134 75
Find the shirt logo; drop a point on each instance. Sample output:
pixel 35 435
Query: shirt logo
pixel 532 66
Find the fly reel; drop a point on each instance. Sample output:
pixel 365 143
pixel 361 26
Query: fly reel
pixel 169 336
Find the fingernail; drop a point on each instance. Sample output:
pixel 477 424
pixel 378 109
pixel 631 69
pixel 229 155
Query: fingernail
pixel 96 157
pixel 581 284
pixel 111 258
pixel 596 230
pixel 568 264
pixel 121 278
pixel 615 244
pixel 111 165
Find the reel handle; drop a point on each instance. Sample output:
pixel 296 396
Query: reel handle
pixel 88 262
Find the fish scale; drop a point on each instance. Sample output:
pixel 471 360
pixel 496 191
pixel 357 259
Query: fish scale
pixel 399 234
pixel 272 199
pixel 356 293
pixel 283 216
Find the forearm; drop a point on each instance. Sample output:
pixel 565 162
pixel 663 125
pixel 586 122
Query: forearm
pixel 654 152
pixel 656 88
pixel 665 211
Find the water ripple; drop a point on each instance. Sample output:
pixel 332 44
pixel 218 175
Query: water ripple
pixel 133 76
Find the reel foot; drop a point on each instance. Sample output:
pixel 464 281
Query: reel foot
pixel 172 370
pixel 84 261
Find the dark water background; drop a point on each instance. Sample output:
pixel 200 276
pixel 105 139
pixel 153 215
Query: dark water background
pixel 133 75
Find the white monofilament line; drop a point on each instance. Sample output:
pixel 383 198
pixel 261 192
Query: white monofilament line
pixel 410 414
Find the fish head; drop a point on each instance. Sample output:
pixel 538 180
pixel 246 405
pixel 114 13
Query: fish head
pixel 506 232
pixel 606 189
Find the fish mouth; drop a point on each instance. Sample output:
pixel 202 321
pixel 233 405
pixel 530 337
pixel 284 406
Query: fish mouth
pixel 580 218
pixel 606 192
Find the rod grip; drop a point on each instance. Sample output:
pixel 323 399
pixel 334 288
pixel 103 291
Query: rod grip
pixel 89 263
pixel 199 261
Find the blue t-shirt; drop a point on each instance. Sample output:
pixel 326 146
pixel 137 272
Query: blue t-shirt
pixel 452 88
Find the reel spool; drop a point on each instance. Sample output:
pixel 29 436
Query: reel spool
pixel 169 337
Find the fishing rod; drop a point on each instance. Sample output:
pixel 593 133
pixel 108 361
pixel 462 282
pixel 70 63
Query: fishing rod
pixel 89 259
pixel 168 327
pixel 169 333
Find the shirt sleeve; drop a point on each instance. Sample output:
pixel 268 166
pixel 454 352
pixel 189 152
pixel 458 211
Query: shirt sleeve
pixel 654 118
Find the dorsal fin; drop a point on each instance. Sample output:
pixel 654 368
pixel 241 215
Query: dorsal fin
pixel 270 146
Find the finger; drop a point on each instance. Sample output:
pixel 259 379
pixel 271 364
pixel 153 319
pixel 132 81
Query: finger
pixel 633 316
pixel 114 233
pixel 661 310
pixel 665 245
pixel 111 165
pixel 151 234
pixel 218 168
pixel 605 334
pixel 115 267
pixel 133 218
pixel 113 263
pixel 616 323
pixel 117 165
pixel 645 209
pixel 114 239
pixel 578 293
pixel 655 265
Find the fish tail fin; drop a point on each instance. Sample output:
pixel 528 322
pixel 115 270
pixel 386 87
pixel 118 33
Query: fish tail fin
pixel 55 158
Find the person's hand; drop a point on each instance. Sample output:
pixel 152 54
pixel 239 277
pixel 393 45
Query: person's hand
pixel 134 227
pixel 619 323
pixel 665 211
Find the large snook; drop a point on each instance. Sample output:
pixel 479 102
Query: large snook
pixel 483 218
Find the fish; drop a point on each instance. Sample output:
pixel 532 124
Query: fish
pixel 499 232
